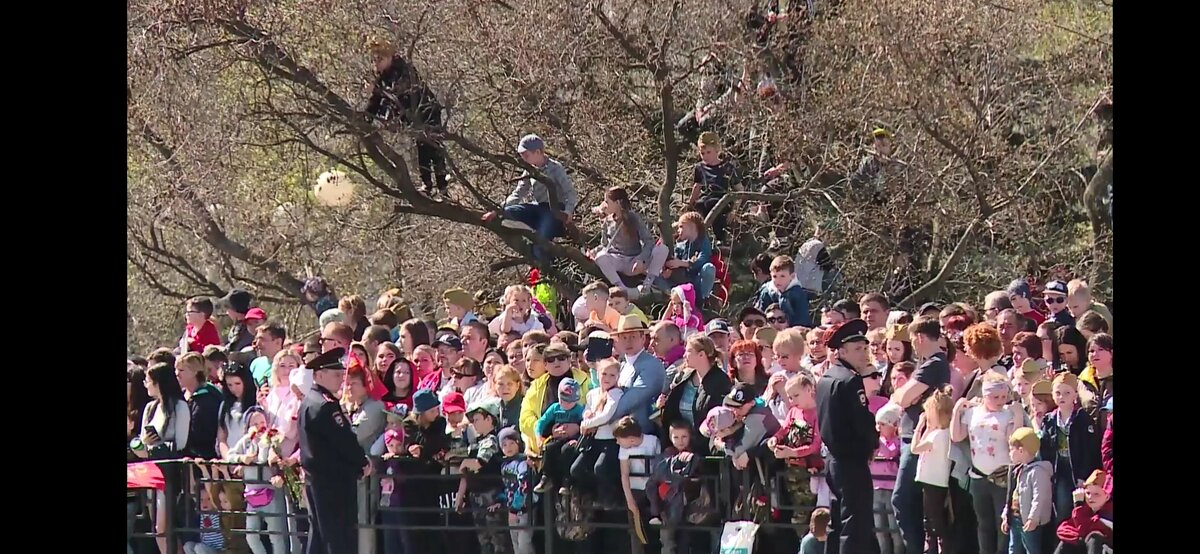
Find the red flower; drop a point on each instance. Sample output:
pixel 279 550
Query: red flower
pixel 272 432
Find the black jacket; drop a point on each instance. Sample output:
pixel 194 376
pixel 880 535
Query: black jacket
pixel 239 337
pixel 205 410
pixel 1083 442
pixel 710 394
pixel 399 95
pixel 329 448
pixel 846 424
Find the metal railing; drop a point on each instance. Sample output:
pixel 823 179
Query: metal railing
pixel 185 480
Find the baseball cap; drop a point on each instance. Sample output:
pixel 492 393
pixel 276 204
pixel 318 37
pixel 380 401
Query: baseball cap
pixel 568 390
pixel 424 401
pixel 510 434
pixel 928 306
pixel 449 340
pixel 454 402
pixel 489 405
pixel 740 395
pixel 716 326
pixel 530 142
pixel 718 419
pixel 256 313
pixel 238 300
pixel 1055 287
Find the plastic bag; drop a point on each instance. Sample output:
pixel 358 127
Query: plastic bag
pixel 738 537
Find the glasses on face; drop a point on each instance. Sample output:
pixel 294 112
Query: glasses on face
pixel 552 359
pixel 327 339
pixel 754 322
pixel 777 320
pixel 1055 299
pixel 461 375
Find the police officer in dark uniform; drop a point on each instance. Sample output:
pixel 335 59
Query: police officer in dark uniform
pixel 332 460
pixel 848 431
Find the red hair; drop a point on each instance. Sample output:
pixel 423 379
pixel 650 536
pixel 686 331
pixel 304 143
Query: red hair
pixel 744 345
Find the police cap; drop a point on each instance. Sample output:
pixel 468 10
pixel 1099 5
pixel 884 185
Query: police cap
pixel 328 360
pixel 854 330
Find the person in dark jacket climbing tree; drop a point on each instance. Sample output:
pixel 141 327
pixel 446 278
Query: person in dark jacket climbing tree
pixel 399 96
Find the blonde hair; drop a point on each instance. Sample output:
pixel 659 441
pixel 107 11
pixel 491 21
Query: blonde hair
pixel 1078 288
pixel 506 372
pixel 511 292
pixel 426 349
pixel 791 340
pixel 941 403
pixel 194 362
pixel 800 380
pixel 603 394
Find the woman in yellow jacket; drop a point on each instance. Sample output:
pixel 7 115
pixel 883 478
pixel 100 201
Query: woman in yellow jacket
pixel 558 367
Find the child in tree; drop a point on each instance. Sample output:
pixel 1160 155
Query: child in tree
pixel 551 427
pixel 636 451
pixel 1028 505
pixel 932 442
pixel 785 290
pixel 818 531
pixel 667 483
pixel 798 443
pixel 1069 442
pixel 683 311
pixel 692 261
pixel 1089 530
pixel 481 479
pixel 518 481
pixel 713 177
pixel 200 330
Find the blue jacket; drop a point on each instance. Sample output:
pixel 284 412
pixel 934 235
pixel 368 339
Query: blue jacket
pixel 793 300
pixel 557 414
pixel 698 252
pixel 644 382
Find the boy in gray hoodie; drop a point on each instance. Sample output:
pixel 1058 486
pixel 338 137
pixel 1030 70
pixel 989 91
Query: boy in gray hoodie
pixel 1029 493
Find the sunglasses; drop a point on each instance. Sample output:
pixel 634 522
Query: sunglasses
pixel 873 375
pixel 327 339
pixel 754 322
pixel 461 375
pixel 558 358
pixel 777 319
pixel 1055 299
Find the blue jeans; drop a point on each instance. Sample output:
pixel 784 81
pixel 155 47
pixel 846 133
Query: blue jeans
pixel 541 218
pixel 1064 485
pixel 907 501
pixel 1022 542
pixel 704 281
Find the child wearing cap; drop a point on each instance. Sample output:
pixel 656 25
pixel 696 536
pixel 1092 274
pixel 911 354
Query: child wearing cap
pixel 1041 402
pixel 530 204
pixel 390 469
pixel 518 484
pixel 1028 502
pixel 798 444
pixel 200 330
pixel 1019 295
pixel 636 451
pixel 458 427
pixel 1090 527
pixel 1069 441
pixel 552 428
pixel 481 482
pixel 460 306
pixel 884 467
pixel 785 290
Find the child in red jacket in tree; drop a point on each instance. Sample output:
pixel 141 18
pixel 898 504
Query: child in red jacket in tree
pixel 1089 530
pixel 200 330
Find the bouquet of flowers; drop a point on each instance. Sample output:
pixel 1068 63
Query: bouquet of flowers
pixel 289 474
pixel 800 434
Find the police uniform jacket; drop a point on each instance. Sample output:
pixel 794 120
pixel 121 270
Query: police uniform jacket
pixel 846 424
pixel 328 446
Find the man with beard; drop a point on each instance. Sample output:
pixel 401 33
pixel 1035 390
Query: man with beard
pixel 848 430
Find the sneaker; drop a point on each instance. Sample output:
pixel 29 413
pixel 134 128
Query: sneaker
pixel 564 491
pixel 437 195
pixel 655 521
pixel 514 224
pixel 542 485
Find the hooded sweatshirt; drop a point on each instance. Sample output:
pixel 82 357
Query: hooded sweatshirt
pixel 793 300
pixel 692 321
pixel 1030 493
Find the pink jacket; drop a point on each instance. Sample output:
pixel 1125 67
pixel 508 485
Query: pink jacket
pixel 692 320
pixel 284 409
pixel 886 463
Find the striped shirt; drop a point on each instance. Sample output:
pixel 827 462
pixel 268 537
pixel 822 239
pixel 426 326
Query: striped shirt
pixel 210 532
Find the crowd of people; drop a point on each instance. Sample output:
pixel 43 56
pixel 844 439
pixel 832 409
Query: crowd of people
pixel 985 430
pixel 853 426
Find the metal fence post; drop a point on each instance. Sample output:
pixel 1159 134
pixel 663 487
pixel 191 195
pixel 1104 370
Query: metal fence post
pixel 169 493
pixel 549 502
